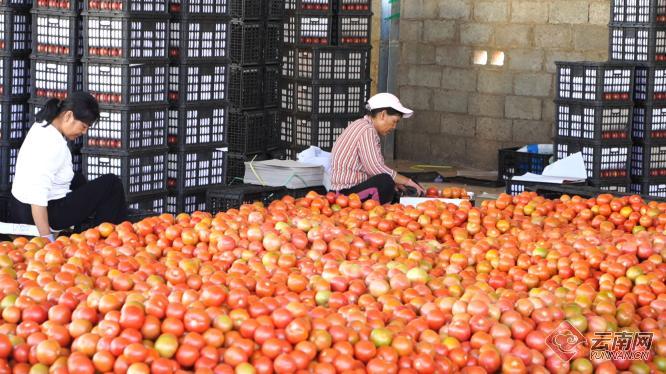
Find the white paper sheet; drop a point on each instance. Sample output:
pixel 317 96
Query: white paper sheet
pixel 567 170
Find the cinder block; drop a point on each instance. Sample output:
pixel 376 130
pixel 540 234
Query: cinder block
pixel 411 30
pixel 419 9
pixel 590 37
pixel 453 56
pixel 552 36
pixel 439 31
pixel 450 101
pixel 532 131
pixel 533 84
pixel 449 150
pixel 486 105
pixel 411 145
pixel 424 121
pixel 493 128
pixel 552 56
pixel 481 153
pixel 425 76
pixel 458 125
pixel 459 79
pixel 455 9
pixel 418 54
pixel 599 12
pixel 548 111
pixel 491 10
pixel 475 34
pixel 507 36
pixel 569 11
pixel 495 81
pixel 522 107
pixel 529 11
pixel 524 59
pixel 417 98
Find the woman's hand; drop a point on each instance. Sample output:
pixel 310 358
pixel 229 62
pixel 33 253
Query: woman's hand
pixel 401 182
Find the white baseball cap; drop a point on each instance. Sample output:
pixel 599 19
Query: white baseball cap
pixel 387 100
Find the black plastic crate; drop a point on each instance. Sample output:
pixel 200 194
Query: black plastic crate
pixel 142 173
pixel 275 9
pixel 271 86
pixel 201 83
pixel 15 31
pixel 14 77
pixel 4 206
pixel 56 34
pixel 593 121
pixel 246 87
pixel 320 98
pixel 514 187
pixel 302 192
pixel 199 8
pixel 353 6
pixel 248 131
pixel 649 186
pixel 246 42
pixel 123 39
pixel 197 126
pixel 649 122
pixel 77 162
pixel 342 64
pixel 129 129
pixel 313 30
pixel 128 7
pixel 614 187
pixel 320 131
pixel 316 7
pixel 650 84
pixel 353 29
pixel 286 128
pixel 246 9
pixel 511 162
pixel 286 152
pixel 55 78
pixel 196 168
pixel 595 81
pixel 236 165
pixel 648 159
pixel 232 197
pixel 25 5
pixel 187 202
pixel 273 124
pixel 146 206
pixel 199 39
pixel 8 155
pixel 603 160
pixel 638 11
pixel 272 43
pixel 126 84
pixel 14 120
pixel 637 43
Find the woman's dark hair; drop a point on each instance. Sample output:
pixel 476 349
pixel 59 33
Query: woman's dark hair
pixel 82 104
pixel 390 111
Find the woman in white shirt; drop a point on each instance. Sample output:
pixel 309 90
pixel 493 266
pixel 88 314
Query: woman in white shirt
pixel 42 192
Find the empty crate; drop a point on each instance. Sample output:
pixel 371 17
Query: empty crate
pixel 273 124
pixel 188 202
pixel 196 168
pixel 232 197
pixel 8 155
pixel 198 83
pixel 56 35
pixel 199 39
pixel 272 42
pixel 648 159
pixel 593 121
pixel 320 131
pixel 246 9
pixel 511 162
pixel 55 78
pixel 197 125
pixel 246 86
pixel 271 86
pixel 14 77
pixel 128 7
pixel 14 120
pixel 129 129
pixel 14 31
pixel 246 42
pixel 248 131
pixel 327 63
pixel 126 84
pixel 199 8
pixel 655 187
pixel 122 38
pixel 603 160
pixel 594 81
pixel 649 122
pixel 316 98
pixel 142 173
pixel 650 84
pixel 637 43
pixel 638 11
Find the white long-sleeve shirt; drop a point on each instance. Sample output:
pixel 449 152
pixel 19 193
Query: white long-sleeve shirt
pixel 44 169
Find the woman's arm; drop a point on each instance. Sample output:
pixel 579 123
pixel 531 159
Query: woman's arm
pixel 41 217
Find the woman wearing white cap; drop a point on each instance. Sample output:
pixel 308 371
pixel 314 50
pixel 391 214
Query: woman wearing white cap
pixel 357 164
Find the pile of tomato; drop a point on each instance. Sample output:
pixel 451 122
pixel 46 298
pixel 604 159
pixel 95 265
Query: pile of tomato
pixel 328 284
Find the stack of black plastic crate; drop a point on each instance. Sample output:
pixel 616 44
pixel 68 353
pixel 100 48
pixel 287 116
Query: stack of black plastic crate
pixel 325 72
pixel 198 112
pixel 255 51
pixel 638 38
pixel 15 46
pixel 125 65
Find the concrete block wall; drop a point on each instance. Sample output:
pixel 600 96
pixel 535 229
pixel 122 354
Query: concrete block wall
pixel 466 112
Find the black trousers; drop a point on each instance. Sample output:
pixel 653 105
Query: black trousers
pixel 100 200
pixel 379 187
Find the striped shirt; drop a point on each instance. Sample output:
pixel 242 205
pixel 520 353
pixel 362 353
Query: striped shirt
pixel 357 156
